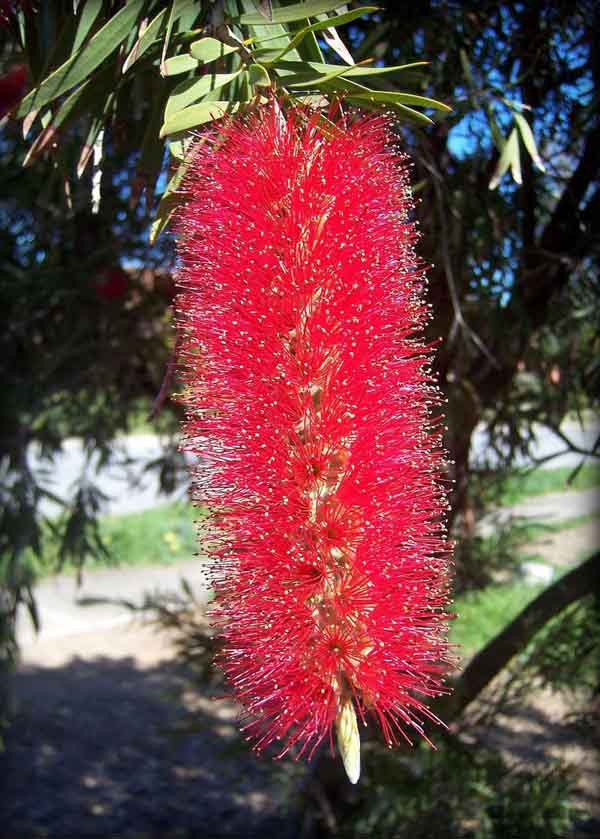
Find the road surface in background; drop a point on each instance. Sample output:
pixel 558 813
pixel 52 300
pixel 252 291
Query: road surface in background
pixel 131 489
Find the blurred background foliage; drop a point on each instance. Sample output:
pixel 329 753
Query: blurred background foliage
pixel 99 102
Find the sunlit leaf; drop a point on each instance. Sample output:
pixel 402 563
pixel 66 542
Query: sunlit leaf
pixel 304 69
pixel 334 42
pixel 197 115
pixel 77 68
pixel 179 64
pixel 209 49
pixel 89 14
pixel 287 14
pixel 168 203
pixel 191 90
pixel 145 40
pixel 529 140
pixel 337 20
pixel 177 9
pixel 510 152
pixel 258 75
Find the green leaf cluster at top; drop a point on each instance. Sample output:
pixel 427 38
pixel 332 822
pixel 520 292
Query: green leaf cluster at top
pixel 200 61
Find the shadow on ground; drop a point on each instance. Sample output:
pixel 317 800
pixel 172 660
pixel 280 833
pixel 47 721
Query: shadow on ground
pixel 91 753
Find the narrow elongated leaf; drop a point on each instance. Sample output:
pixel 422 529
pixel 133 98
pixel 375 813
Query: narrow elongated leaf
pixel 258 75
pixel 509 153
pixel 389 97
pixel 152 152
pixel 308 49
pixel 177 9
pixel 369 101
pixel 305 68
pixel 168 203
pixel 466 66
pixel 180 64
pixel 197 115
pixel 275 34
pixel 89 13
pixel 145 40
pixel 529 140
pixel 191 90
pixel 515 163
pixel 78 103
pixel 319 26
pixel 80 65
pixel 209 49
pixel 497 135
pixel 317 81
pixel 334 42
pixel 287 14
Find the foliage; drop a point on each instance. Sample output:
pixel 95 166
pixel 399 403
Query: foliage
pixel 483 613
pixel 458 791
pixel 163 535
pixel 520 485
pixel 192 62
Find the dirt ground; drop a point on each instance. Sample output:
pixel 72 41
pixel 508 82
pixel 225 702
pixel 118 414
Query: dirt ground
pixel 92 751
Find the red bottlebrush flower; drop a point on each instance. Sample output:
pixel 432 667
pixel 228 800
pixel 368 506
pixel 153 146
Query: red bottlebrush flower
pixel 308 397
pixel 12 88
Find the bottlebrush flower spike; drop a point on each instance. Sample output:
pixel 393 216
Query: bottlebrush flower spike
pixel 308 398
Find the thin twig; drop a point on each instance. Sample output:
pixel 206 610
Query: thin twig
pixel 459 321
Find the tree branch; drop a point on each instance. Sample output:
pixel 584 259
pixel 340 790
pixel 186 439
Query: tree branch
pixel 491 660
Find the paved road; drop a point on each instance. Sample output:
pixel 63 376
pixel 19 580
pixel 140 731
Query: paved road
pixel 62 603
pixel 131 489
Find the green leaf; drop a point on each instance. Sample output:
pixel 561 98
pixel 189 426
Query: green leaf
pixel 145 40
pixel 209 49
pixel 370 101
pixel 197 115
pixel 177 9
pixel 77 68
pixel 152 150
pixel 466 67
pixel 308 49
pixel 287 14
pixel 304 69
pixel 258 75
pixel 394 98
pixel 515 164
pixel 191 90
pixel 79 102
pixel 180 64
pixel 88 17
pixel 337 20
pixel 316 81
pixel 497 135
pixel 529 140
pixel 510 153
pixel 179 143
pixel 168 203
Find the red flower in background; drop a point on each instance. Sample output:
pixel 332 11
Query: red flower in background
pixel 9 9
pixel 12 88
pixel 308 398
pixel 114 284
